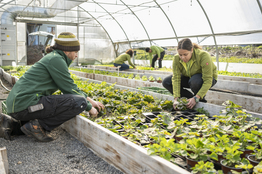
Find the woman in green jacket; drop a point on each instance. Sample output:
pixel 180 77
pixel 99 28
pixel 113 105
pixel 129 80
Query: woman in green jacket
pixel 194 69
pixel 122 58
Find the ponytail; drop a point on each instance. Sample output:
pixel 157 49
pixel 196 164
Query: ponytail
pixel 130 52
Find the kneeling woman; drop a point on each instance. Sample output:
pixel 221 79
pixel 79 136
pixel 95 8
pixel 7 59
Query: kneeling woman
pixel 192 68
pixel 122 58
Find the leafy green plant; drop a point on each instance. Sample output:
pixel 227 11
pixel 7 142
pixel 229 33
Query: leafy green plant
pixel 202 111
pixel 130 76
pixel 182 102
pixel 167 105
pixel 258 154
pixel 144 78
pixel 151 79
pixel 148 98
pixel 159 79
pixel 258 169
pixel 137 77
pixel 233 159
pixel 205 168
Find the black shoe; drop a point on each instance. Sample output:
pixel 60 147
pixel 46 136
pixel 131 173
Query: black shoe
pixel 6 126
pixel 33 128
pixel 203 100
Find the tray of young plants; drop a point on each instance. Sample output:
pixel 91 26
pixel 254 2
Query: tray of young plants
pixel 204 143
pixel 230 142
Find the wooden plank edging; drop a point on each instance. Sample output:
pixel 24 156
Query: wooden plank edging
pixel 125 155
pixel 4 168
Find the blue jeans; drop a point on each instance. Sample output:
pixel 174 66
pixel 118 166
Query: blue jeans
pixel 123 66
pixel 194 83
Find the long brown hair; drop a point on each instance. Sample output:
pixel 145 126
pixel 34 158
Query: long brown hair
pixel 130 52
pixel 186 44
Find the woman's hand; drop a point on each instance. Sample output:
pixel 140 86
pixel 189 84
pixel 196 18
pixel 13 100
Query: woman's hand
pixel 96 104
pixel 175 103
pixel 191 103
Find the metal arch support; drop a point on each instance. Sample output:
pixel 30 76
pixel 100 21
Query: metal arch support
pixel 139 21
pixel 259 5
pixel 167 19
pixel 212 33
pixel 101 26
pixel 116 22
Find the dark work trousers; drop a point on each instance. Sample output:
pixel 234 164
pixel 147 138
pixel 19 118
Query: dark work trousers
pixel 194 83
pixel 123 66
pixel 57 110
pixel 162 54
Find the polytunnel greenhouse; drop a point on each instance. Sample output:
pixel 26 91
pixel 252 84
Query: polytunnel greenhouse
pixel 165 86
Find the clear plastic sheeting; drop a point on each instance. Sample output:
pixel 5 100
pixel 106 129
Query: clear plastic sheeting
pixel 106 28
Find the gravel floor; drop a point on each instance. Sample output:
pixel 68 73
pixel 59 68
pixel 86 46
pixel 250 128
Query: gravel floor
pixel 63 155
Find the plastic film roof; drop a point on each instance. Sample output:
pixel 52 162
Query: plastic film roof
pixel 157 21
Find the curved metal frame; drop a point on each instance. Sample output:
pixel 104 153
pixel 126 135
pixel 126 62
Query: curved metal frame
pixel 259 5
pixel 116 22
pixel 213 34
pixel 139 21
pixel 167 19
pixel 101 26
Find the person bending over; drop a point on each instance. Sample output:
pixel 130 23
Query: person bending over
pixel 159 55
pixel 194 69
pixel 31 101
pixel 120 60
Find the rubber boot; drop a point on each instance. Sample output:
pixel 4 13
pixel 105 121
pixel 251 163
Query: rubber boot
pixel 6 126
pixel 34 129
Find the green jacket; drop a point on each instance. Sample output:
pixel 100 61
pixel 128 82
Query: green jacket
pixel 122 58
pixel 155 50
pixel 200 62
pixel 42 79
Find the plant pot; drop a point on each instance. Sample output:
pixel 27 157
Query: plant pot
pixel 246 153
pixel 227 169
pixel 178 138
pixel 151 81
pixel 252 160
pixel 217 164
pixel 190 163
pixel 159 81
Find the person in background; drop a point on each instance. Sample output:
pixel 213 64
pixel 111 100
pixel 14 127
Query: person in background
pixel 120 60
pixel 31 101
pixel 192 68
pixel 159 54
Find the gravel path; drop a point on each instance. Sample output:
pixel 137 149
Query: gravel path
pixel 63 155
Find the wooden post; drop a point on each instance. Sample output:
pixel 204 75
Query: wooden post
pixel 3 161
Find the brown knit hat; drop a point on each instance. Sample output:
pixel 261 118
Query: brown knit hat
pixel 67 41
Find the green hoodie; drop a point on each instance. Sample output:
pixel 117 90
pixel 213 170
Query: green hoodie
pixel 200 62
pixel 42 79
pixel 155 50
